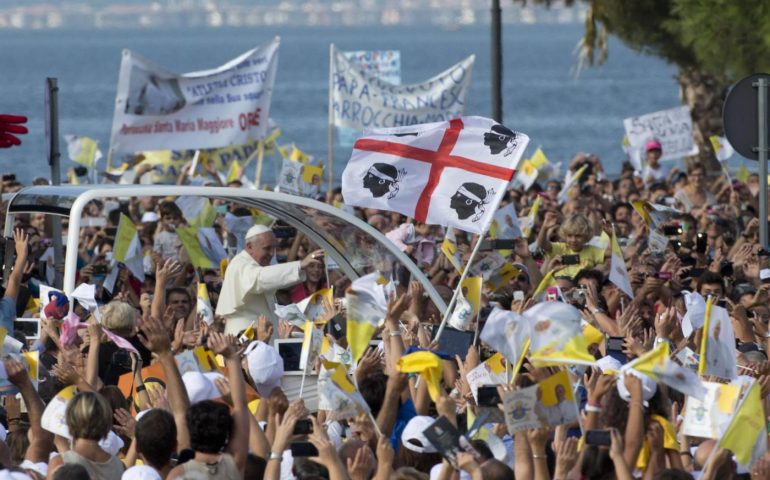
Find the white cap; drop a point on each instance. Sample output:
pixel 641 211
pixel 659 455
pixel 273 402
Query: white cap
pixel 148 217
pixel 257 230
pixel 141 472
pixel 200 386
pixel 764 274
pixel 413 437
pixel 265 367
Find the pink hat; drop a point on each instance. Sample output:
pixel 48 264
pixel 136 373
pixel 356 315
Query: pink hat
pixel 653 145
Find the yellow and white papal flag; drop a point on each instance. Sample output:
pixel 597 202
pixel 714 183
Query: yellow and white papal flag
pixel 337 394
pixel 657 365
pixel 507 333
pixel 746 436
pixel 367 301
pixel 717 349
pixel 83 150
pixel 618 271
pixel 311 345
pixel 722 148
pixel 557 335
pixel 205 311
pixel 528 223
pixel 449 248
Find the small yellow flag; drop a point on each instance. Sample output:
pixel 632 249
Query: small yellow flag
pixel 449 248
pixel 189 238
pixel 472 292
pixel 746 436
pixel 743 174
pixel 298 155
pixel 704 337
pixel 427 364
pixel 538 159
pixel 234 172
pixel 501 278
pixel 312 174
pixel 83 150
pixel 546 282
pixel 123 237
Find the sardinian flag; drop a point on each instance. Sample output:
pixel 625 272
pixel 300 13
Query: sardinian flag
pixel 451 173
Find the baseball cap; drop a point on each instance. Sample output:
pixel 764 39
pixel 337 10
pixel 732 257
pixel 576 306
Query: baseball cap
pixel 200 386
pixel 265 367
pixel 653 145
pixel 413 437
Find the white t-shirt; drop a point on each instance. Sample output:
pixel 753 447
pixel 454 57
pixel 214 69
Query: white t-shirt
pixel 657 174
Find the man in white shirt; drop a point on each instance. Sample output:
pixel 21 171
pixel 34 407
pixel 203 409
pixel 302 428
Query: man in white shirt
pixel 250 283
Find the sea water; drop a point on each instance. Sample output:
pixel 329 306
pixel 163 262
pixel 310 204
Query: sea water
pixel 541 96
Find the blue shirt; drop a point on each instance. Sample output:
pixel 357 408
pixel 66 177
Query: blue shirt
pixel 7 314
pixel 405 413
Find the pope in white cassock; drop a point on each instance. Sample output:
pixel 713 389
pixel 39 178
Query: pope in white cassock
pixel 248 290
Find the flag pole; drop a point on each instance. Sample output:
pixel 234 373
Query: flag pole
pixel 260 159
pixel 194 165
pixel 302 383
pixel 464 274
pixel 330 130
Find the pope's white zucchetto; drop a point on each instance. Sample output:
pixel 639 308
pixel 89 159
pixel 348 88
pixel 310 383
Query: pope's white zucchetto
pixel 257 230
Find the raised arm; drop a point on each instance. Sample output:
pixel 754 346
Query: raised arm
pixel 228 347
pixel 95 341
pixel 156 339
pixel 163 272
pixel 386 418
pixel 549 225
pixel 21 241
pixel 635 425
pixel 41 441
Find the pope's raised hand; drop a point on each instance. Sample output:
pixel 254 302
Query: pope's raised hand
pixel 315 256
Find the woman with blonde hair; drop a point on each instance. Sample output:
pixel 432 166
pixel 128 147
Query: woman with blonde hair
pixel 89 420
pixel 119 318
pixel 575 233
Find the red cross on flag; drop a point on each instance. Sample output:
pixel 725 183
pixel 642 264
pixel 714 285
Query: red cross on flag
pixel 451 173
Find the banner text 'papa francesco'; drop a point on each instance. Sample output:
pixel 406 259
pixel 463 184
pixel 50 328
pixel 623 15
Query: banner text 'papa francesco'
pixel 159 110
pixel 361 100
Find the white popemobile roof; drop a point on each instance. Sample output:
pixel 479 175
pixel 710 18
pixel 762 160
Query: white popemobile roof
pixel 353 244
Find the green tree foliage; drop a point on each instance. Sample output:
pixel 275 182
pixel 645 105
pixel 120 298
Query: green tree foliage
pixel 724 38
pixel 713 43
pixel 728 39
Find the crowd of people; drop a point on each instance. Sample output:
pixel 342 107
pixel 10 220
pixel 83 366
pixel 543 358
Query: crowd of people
pixel 125 420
